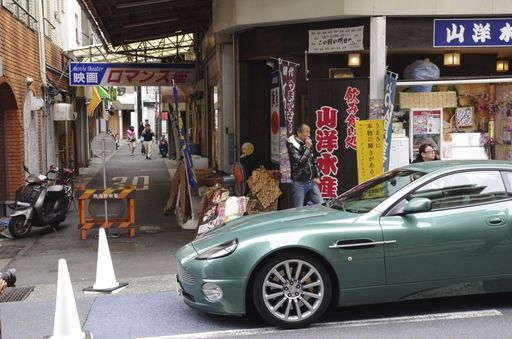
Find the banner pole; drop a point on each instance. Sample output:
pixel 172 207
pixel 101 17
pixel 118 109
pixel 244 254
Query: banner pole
pixel 306 71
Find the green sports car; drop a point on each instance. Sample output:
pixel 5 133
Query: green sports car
pixel 433 229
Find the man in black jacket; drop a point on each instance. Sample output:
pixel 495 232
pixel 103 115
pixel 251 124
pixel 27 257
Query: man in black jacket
pixel 304 169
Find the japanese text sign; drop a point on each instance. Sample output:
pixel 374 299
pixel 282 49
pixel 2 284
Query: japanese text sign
pixel 288 74
pixel 144 74
pixel 370 137
pixel 337 105
pixel 326 137
pixel 496 32
pixel 336 40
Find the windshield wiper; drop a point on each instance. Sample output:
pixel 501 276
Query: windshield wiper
pixel 337 204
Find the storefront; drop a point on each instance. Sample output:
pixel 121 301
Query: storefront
pixel 461 108
pixel 475 98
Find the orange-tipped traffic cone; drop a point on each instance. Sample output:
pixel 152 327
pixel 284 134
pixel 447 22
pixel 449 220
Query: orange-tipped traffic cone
pixel 66 323
pixel 105 276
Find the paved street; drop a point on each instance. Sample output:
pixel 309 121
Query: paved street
pixel 163 315
pixel 145 261
pixel 147 254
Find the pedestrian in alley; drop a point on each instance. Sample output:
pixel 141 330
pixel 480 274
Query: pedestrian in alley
pixel 426 152
pixel 148 137
pixel 132 140
pixel 142 125
pixel 305 174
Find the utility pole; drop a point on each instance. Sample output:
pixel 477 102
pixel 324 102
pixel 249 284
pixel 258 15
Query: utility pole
pixel 44 85
pixel 139 104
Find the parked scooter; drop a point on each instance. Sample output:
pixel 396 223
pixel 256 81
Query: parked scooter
pixel 38 205
pixel 163 147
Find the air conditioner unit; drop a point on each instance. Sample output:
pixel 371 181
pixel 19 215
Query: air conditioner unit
pixel 63 112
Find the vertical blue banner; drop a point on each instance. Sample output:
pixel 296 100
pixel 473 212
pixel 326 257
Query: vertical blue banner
pixel 187 157
pixel 389 104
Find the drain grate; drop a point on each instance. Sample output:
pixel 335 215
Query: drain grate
pixel 7 252
pixel 15 294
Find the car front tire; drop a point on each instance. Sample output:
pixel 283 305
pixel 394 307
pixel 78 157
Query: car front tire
pixel 292 290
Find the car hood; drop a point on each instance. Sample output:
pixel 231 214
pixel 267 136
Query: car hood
pixel 274 222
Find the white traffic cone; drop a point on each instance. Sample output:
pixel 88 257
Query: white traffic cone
pixel 105 276
pixel 66 323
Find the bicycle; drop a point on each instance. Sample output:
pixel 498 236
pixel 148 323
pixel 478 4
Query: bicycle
pixel 64 177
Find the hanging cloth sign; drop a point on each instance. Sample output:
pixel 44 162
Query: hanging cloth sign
pixel 187 157
pixel 275 114
pixel 389 103
pixel 288 72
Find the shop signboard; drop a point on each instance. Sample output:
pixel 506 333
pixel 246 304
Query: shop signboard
pixel 369 140
pixel 336 39
pixel 130 74
pixel 337 104
pixel 477 32
pixel 274 117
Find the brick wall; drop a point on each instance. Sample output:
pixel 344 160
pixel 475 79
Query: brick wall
pixel 19 50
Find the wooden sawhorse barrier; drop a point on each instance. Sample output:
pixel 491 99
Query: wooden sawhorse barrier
pixel 83 195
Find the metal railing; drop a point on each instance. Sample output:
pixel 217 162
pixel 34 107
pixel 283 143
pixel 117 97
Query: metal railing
pixel 27 18
pixel 20 13
pixel 49 29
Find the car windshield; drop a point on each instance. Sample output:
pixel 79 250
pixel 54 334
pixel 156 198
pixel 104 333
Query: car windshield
pixel 366 196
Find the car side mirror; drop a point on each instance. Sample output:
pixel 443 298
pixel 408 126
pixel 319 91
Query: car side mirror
pixel 417 205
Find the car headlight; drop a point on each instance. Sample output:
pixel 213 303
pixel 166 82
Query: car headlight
pixel 219 251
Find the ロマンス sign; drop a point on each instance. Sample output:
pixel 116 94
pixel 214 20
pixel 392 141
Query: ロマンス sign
pixel 142 74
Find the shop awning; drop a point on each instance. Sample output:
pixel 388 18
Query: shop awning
pixel 94 102
pixel 102 92
pixel 455 81
pixel 122 106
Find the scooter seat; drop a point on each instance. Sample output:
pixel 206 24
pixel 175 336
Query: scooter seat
pixel 54 192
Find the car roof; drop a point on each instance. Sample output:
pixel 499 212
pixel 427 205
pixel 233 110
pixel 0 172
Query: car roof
pixel 432 166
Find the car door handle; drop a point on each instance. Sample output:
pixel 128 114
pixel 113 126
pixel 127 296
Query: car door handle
pixel 495 221
pixel 359 243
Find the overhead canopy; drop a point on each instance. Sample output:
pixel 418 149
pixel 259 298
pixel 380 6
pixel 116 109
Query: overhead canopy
pixel 164 49
pixel 127 21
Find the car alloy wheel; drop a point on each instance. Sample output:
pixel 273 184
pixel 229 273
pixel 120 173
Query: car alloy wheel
pixel 291 290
